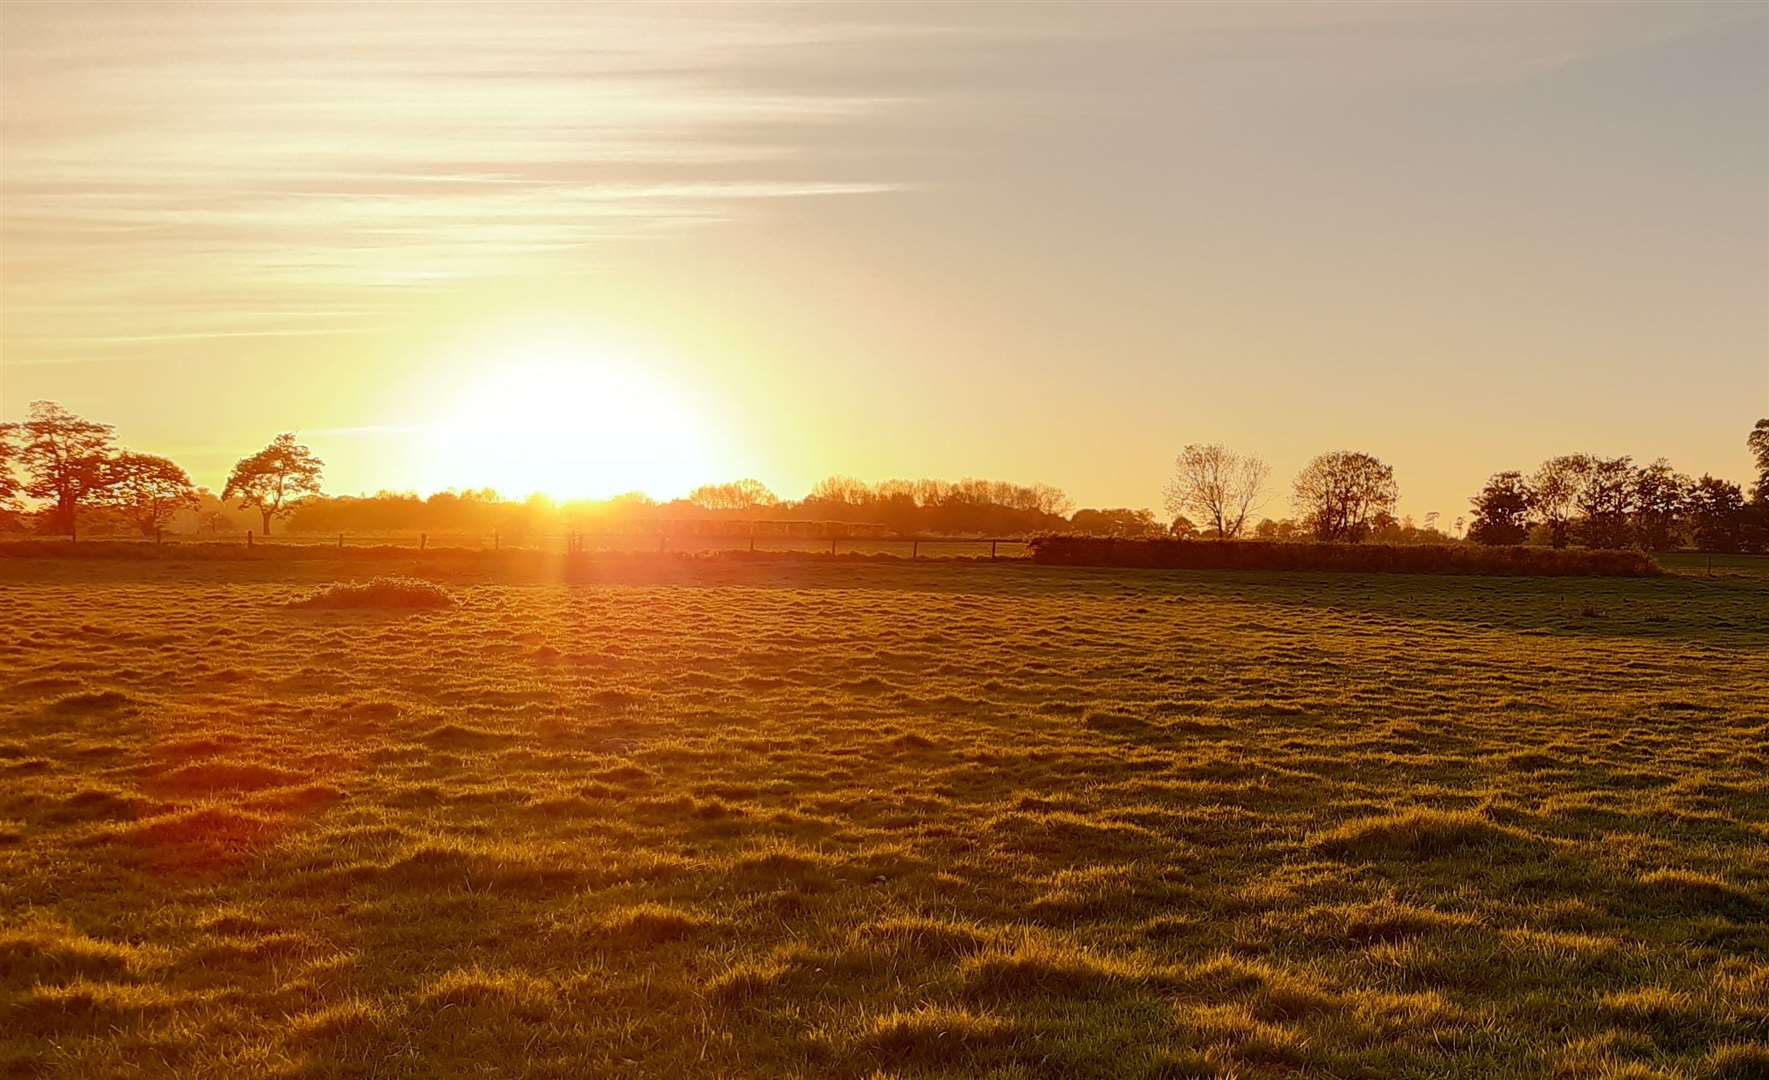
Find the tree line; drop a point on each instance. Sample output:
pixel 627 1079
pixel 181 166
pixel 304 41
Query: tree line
pixel 1601 502
pixel 76 472
pixel 73 465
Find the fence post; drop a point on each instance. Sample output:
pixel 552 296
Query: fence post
pixel 423 541
pixel 340 541
pixel 752 537
pixel 992 544
pixel 248 537
pixel 832 545
pixel 914 549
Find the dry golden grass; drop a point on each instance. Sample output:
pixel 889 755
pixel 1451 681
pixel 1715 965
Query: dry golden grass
pixel 775 816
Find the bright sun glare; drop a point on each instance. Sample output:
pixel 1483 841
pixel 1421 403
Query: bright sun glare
pixel 569 420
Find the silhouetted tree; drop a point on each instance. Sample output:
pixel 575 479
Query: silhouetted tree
pixel 1716 512
pixel 148 489
pixel 1607 502
pixel 1758 441
pixel 65 457
pixel 1218 485
pixel 1659 496
pixel 841 489
pixel 10 488
pixel 1554 493
pixel 737 495
pixel 1182 527
pixel 1501 511
pixel 1123 522
pixel 273 478
pixel 1340 493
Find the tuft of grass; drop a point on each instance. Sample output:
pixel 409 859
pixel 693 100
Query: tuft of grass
pixel 746 982
pixel 651 923
pixel 933 1035
pixel 1418 833
pixel 1739 1061
pixel 380 592
pixel 928 937
pixel 48 952
pixel 1694 892
pixel 475 987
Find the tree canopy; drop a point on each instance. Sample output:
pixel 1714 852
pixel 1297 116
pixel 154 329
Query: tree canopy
pixel 273 478
pixel 1340 494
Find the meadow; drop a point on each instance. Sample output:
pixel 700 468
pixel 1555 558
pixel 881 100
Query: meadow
pixel 811 816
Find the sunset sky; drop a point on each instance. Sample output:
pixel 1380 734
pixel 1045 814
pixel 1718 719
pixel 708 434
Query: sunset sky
pixel 589 248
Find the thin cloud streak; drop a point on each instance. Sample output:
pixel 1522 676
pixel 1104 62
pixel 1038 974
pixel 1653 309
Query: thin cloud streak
pixel 333 147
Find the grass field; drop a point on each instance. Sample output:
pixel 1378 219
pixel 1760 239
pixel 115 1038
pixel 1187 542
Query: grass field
pixel 822 817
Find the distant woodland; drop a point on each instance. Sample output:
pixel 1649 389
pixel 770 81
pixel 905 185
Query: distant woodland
pixel 64 475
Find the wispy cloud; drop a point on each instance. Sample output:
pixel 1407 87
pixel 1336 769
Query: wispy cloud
pixel 173 171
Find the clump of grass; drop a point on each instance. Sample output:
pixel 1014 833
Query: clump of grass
pixel 91 701
pixel 381 592
pixel 651 924
pixel 500 991
pixel 1739 1061
pixel 1696 892
pixel 933 1035
pixel 46 951
pixel 746 981
pixel 1419 833
pixel 353 1017
pixel 1038 967
pixel 929 937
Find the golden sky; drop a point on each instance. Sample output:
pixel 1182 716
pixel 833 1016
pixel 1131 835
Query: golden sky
pixel 596 247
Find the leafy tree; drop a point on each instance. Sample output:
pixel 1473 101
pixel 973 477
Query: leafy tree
pixel 1659 497
pixel 737 495
pixel 149 489
pixel 1758 441
pixel 1218 485
pixel 1340 494
pixel 273 478
pixel 1554 493
pixel 1606 501
pixel 1716 511
pixel 1501 511
pixel 66 458
pixel 1182 528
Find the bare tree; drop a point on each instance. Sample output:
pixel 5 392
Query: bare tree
pixel 1341 493
pixel 149 489
pixel 66 458
pixel 1216 485
pixel 273 478
pixel 737 495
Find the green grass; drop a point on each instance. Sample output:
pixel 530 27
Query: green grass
pixel 815 817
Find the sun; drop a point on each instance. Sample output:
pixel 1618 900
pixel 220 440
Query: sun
pixel 570 420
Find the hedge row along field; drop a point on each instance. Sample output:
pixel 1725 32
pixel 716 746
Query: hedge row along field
pixel 1351 558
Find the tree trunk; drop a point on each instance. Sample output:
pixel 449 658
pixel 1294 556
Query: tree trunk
pixel 265 514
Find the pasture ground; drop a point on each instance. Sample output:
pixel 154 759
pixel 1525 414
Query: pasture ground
pixel 823 817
